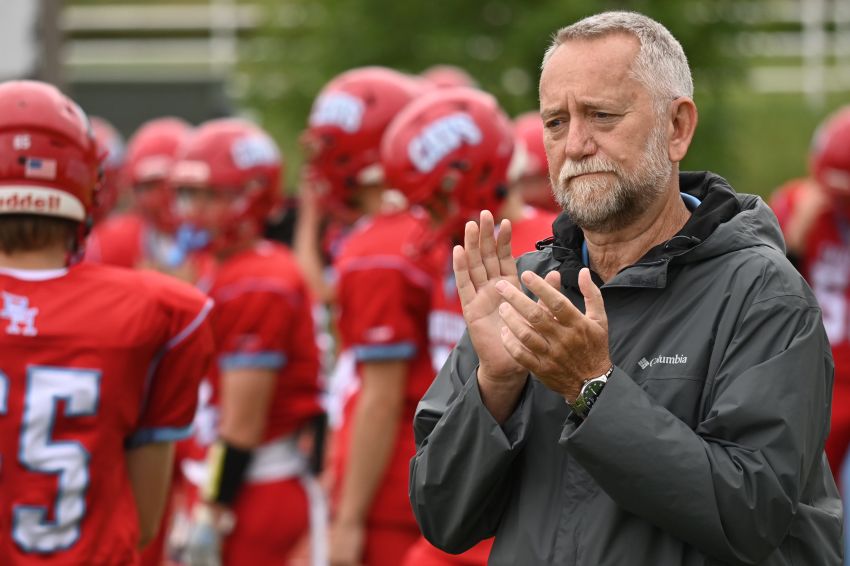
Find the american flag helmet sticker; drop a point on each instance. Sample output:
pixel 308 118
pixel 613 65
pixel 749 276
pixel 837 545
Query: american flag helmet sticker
pixel 38 168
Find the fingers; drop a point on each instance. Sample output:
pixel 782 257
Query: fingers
pixel 507 263
pixel 594 306
pixel 518 352
pixel 465 287
pixel 489 257
pixel 553 278
pixel 551 296
pixel 534 314
pixel 519 327
pixel 477 272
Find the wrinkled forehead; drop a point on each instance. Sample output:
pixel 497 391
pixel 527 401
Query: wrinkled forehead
pixel 598 66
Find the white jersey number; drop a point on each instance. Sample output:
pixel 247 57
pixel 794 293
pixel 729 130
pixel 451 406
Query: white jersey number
pixel 829 282
pixel 39 453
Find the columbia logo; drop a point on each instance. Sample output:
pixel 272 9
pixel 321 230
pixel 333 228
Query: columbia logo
pixel 666 360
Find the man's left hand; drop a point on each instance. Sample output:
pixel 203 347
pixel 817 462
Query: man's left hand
pixel 551 337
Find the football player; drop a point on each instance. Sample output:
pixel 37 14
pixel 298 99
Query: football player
pixel 382 297
pixel 449 152
pixel 99 367
pixel 144 236
pixel 255 495
pixel 814 214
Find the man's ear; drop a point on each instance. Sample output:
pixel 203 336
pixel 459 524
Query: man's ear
pixel 682 124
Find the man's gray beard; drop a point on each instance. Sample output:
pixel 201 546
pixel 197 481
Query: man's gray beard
pixel 605 203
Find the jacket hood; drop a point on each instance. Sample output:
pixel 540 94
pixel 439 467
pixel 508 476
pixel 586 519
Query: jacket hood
pixel 724 222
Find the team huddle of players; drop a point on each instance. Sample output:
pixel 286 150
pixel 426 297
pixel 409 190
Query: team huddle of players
pixel 164 380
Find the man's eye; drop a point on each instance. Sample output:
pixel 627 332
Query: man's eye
pixel 603 115
pixel 554 123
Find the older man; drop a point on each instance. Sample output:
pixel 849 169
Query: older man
pixel 657 389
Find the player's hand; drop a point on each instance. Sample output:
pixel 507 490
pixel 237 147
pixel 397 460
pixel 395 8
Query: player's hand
pixel 203 543
pixel 551 337
pixel 483 261
pixel 346 544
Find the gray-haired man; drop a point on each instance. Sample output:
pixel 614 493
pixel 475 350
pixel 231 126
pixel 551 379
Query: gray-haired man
pixel 657 390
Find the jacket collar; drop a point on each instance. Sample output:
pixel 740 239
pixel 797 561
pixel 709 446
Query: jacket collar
pixel 719 204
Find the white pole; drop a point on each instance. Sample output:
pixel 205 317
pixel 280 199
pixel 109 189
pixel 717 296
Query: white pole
pixel 223 36
pixel 814 50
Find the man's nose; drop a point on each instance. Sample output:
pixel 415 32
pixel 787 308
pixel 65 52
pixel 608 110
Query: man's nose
pixel 579 143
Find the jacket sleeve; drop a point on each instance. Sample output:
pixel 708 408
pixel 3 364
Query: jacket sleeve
pixel 731 486
pixel 461 476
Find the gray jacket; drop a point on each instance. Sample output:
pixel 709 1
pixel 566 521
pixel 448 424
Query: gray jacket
pixel 706 445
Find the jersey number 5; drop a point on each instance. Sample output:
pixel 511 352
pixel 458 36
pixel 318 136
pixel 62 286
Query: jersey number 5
pixel 39 453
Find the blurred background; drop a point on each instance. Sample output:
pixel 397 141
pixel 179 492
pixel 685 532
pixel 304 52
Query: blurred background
pixel 766 71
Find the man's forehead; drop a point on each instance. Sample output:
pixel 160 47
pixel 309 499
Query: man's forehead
pixel 615 47
pixel 600 65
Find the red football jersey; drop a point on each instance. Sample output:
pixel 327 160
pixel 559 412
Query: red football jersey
pixel 825 264
pixel 785 199
pixel 94 360
pixel 262 319
pixel 535 225
pixel 118 240
pixel 384 295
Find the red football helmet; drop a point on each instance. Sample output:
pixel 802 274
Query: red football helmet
pixel 829 158
pixel 112 143
pixel 529 171
pixel 238 159
pixel 448 76
pixel 50 163
pixel 528 131
pixel 346 123
pixel 150 156
pixel 452 142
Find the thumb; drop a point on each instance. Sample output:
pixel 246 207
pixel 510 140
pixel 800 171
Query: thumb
pixel 593 303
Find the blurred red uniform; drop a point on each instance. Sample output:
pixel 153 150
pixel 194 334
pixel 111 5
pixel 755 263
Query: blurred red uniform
pixel 262 319
pixel 456 138
pixel 95 359
pixel 384 295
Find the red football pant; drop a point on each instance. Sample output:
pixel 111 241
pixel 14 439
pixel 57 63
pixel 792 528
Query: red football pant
pixel 424 554
pixel 271 518
pixel 839 430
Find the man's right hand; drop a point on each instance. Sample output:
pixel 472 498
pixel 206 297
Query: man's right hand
pixel 479 264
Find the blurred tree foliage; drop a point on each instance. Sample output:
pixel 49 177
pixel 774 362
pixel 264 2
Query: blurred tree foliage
pixel 305 43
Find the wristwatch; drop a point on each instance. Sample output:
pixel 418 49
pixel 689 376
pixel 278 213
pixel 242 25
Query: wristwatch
pixel 590 390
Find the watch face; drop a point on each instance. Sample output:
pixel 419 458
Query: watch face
pixel 589 393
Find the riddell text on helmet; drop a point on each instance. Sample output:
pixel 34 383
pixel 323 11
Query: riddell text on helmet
pixel 27 202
